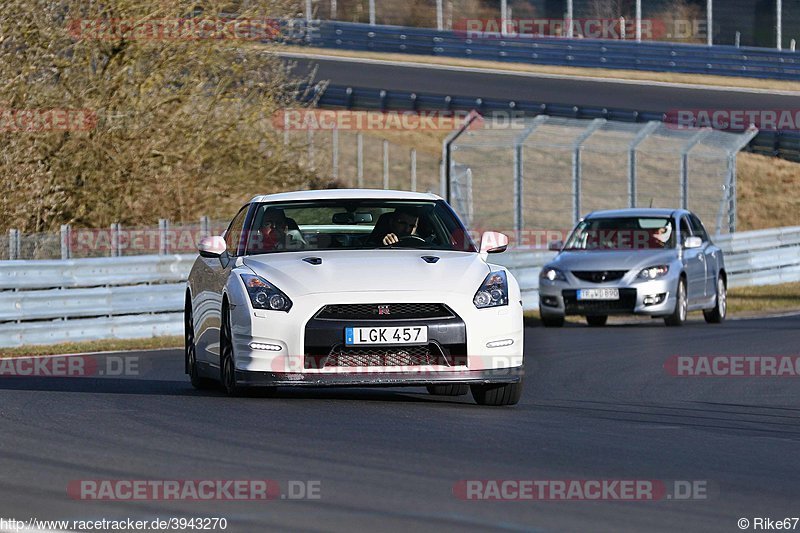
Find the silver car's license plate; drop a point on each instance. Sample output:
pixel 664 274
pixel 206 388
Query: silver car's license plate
pixel 598 294
pixel 386 335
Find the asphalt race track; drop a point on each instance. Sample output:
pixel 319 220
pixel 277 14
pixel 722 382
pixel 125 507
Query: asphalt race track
pixel 643 96
pixel 598 404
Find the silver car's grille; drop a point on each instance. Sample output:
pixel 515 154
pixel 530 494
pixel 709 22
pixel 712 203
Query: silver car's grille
pixel 599 276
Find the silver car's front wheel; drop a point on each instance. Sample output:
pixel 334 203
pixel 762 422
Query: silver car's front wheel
pixel 720 309
pixel 678 316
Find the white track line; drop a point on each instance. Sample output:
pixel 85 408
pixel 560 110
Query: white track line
pixel 484 70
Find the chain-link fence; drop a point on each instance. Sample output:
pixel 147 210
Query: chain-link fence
pixel 546 172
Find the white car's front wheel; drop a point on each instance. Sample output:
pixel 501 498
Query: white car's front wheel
pixel 227 368
pixel 497 393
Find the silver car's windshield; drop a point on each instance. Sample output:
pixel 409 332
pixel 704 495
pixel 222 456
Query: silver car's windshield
pixel 355 224
pixel 622 233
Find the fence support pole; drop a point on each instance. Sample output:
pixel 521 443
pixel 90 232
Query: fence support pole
pixel 205 227
pixel 568 20
pixel 641 136
pixel 691 143
pixel 360 160
pixel 779 24
pixel 13 244
pixel 308 11
pixel 333 9
pixel 66 241
pixel 385 164
pixel 335 155
pixel 503 17
pixel 163 225
pixel 372 12
pixel 576 166
pixel 414 169
pixel 439 15
pixel 638 21
pixel 310 142
pixel 710 21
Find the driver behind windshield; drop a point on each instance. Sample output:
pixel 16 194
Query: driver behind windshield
pixel 402 223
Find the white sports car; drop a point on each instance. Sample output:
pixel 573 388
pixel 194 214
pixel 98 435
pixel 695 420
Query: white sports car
pixel 354 288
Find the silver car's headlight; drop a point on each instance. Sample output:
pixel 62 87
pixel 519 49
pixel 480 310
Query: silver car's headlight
pixel 493 291
pixel 654 272
pixel 552 274
pixel 264 295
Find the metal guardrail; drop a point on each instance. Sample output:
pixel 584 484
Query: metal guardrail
pixel 142 296
pixel 592 53
pixel 783 144
pixel 53 301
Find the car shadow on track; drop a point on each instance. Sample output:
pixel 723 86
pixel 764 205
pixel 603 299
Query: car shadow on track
pixel 183 388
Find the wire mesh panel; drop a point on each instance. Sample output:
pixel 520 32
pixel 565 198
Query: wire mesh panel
pixel 547 172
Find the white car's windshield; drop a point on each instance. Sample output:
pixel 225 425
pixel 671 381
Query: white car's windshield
pixel 354 224
pixel 623 233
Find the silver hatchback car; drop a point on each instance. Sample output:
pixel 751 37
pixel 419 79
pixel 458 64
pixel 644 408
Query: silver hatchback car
pixel 657 262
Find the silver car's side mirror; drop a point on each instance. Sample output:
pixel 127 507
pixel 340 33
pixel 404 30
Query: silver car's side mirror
pixel 211 246
pixel 693 242
pixel 555 246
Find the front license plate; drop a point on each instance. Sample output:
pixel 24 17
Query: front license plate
pixel 598 294
pixel 388 335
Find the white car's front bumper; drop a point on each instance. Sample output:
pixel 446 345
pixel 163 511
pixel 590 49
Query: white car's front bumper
pixel 273 347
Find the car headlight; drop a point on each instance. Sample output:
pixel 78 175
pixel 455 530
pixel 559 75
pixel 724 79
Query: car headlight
pixel 493 292
pixel 654 272
pixel 264 295
pixel 552 274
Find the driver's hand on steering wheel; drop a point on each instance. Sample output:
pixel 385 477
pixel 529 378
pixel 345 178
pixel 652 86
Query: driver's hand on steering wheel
pixel 390 239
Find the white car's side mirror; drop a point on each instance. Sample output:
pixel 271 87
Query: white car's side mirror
pixel 693 242
pixel 555 246
pixel 211 246
pixel 493 242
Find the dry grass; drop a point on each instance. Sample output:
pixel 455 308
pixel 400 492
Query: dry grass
pixel 768 192
pixel 108 345
pixel 494 66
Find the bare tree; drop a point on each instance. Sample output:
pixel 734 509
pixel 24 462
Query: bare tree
pixel 180 123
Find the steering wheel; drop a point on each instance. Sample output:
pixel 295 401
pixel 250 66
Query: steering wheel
pixel 411 240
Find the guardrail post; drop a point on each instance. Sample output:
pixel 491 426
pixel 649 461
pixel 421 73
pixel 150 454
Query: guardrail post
pixel 360 160
pixel 738 41
pixel 13 244
pixel 792 45
pixel 66 241
pixel 163 226
pixel 414 169
pixel 385 164
pixel 622 28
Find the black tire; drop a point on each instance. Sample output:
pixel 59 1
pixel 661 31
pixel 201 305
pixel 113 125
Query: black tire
pixel 717 314
pixel 597 321
pixel 551 321
pixel 227 369
pixel 678 316
pixel 452 389
pixel 497 394
pixel 190 351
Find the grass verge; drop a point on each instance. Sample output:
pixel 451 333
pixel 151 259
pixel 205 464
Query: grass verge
pixel 109 345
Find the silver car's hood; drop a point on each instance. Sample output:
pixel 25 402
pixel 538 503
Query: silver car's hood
pixel 370 270
pixel 613 259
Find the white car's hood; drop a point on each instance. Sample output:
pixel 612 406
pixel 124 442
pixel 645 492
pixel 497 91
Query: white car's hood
pixel 370 270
